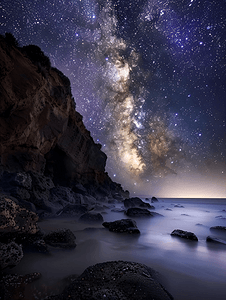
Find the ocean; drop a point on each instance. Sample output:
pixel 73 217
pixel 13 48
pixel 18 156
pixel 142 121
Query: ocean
pixel 189 269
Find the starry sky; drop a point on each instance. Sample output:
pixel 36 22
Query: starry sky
pixel 149 78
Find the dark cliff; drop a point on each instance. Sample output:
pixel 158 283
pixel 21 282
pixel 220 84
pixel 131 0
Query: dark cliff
pixel 41 131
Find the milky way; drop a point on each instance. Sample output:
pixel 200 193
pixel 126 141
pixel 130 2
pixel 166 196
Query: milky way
pixel 149 77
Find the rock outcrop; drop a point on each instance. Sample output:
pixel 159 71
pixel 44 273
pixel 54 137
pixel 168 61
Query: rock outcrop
pixel 137 202
pixel 124 225
pixel 116 280
pixel 41 131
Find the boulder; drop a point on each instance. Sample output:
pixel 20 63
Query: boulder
pixel 116 280
pixel 91 217
pixel 184 234
pixel 16 219
pixel 140 212
pixel 10 255
pixel 63 238
pixel 137 202
pixel 124 225
pixel 214 239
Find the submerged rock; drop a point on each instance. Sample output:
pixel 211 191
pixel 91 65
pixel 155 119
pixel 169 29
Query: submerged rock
pixel 91 217
pixel 137 202
pixel 118 210
pixel 179 206
pixel 63 238
pixel 214 239
pixel 10 255
pixel 154 199
pixel 124 225
pixel 140 212
pixel 116 280
pixel 219 228
pixel 184 234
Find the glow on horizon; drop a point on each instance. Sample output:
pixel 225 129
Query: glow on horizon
pixel 184 186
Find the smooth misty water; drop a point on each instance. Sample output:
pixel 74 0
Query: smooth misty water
pixel 191 270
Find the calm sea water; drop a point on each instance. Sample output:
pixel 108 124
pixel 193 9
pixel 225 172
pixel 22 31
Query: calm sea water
pixel 190 270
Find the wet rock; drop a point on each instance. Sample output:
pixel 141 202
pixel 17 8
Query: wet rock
pixel 72 210
pixel 169 209
pixel 12 286
pixel 136 202
pixel 179 206
pixel 116 280
pixel 214 239
pixel 10 255
pixel 91 217
pixel 140 212
pixel 63 238
pixel 64 195
pixel 124 225
pixel 219 228
pixel 154 199
pixel 184 234
pixel 16 219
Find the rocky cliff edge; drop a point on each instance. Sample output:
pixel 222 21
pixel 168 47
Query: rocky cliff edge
pixel 41 131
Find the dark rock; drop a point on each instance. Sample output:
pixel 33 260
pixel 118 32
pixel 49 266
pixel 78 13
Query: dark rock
pixel 91 218
pixel 10 255
pixel 220 217
pixel 169 209
pixel 72 210
pixel 214 239
pixel 40 194
pixel 16 219
pixel 13 286
pixel 154 199
pixel 219 228
pixel 140 212
pixel 116 280
pixel 184 234
pixel 136 202
pixel 178 205
pixel 63 238
pixel 124 225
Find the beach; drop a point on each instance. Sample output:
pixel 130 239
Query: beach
pixel 189 269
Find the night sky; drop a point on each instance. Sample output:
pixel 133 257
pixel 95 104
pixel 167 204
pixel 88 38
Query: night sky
pixel 149 78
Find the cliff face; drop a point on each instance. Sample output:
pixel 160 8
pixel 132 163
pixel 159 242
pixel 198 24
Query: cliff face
pixel 40 129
